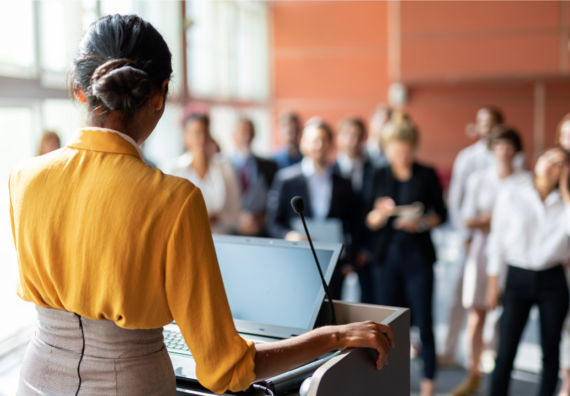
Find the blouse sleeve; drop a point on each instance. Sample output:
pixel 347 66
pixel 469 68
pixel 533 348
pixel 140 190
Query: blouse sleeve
pixel 469 208
pixel 198 303
pixel 499 224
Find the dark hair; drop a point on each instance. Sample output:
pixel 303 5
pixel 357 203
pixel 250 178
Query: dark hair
pixel 504 132
pixel 357 122
pixel 200 117
pixel 291 117
pixel 495 112
pixel 121 59
pixel 318 123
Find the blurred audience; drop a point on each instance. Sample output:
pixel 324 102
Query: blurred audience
pixel 529 237
pixel 563 141
pixel 481 192
pixel 374 152
pixel 49 142
pixel 405 203
pixel 215 177
pixel 290 131
pixel 469 160
pixel 327 195
pixel 256 176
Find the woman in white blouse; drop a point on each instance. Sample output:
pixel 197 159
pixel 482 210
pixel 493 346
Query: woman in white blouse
pixel 213 175
pixel 480 195
pixel 530 234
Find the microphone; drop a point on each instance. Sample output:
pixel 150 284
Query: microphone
pixel 299 207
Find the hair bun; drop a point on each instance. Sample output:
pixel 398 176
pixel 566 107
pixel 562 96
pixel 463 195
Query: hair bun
pixel 120 85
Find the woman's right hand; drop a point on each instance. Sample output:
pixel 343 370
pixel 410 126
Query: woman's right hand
pixel 377 218
pixel 368 335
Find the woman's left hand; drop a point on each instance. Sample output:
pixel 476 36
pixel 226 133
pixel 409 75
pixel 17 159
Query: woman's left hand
pixel 409 225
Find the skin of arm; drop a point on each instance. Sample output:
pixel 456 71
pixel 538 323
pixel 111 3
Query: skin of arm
pixel 278 357
pixel 481 222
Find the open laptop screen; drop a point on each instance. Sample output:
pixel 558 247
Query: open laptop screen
pixel 275 285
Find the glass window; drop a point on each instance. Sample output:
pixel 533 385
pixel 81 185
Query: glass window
pixel 165 17
pixel 63 117
pixel 227 50
pixel 17 126
pixel 165 143
pixel 17 44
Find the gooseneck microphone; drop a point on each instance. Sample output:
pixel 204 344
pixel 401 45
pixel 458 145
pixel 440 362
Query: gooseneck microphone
pixel 299 207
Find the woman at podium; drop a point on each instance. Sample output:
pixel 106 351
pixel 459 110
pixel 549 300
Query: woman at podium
pixel 110 249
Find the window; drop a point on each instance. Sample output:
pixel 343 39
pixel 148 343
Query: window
pixel 17 133
pixel 228 50
pixel 17 55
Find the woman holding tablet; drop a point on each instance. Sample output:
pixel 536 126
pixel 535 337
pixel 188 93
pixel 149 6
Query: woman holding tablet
pixel 403 251
pixel 110 250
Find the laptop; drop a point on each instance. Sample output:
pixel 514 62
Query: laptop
pixel 284 273
pixel 327 230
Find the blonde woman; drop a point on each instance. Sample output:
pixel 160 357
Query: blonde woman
pixel 402 247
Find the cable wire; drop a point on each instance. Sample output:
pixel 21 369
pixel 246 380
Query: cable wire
pixel 267 391
pixel 82 353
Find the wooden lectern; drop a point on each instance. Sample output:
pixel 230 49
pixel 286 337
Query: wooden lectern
pixel 353 371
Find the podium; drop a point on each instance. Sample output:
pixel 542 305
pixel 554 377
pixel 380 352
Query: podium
pixel 353 371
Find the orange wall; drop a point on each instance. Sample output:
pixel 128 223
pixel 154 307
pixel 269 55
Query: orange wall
pixel 332 59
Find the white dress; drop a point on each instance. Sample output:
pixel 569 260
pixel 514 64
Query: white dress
pixel 481 192
pixel 220 189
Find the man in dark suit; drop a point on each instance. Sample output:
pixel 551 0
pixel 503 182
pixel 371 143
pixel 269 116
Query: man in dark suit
pixel 353 164
pixel 256 176
pixel 327 195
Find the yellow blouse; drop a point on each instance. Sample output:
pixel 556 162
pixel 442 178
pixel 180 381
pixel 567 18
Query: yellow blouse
pixel 100 233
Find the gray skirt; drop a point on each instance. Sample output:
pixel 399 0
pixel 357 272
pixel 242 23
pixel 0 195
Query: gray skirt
pixel 116 361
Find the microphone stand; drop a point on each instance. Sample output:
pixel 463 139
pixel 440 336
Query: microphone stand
pixel 327 292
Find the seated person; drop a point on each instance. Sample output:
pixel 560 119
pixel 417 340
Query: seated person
pixel 256 176
pixel 215 177
pixel 290 130
pixel 327 195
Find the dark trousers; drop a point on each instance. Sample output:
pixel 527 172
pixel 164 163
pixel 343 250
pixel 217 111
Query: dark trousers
pixel 549 290
pixel 405 279
pixel 364 277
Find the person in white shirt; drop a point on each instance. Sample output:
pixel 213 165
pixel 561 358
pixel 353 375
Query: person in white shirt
pixel 469 160
pixel 213 175
pixel 563 140
pixel 530 236
pixel 481 192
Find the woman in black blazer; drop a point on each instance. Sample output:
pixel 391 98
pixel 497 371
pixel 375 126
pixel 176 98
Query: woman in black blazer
pixel 402 249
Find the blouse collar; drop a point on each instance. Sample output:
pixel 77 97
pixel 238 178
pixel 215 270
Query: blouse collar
pixel 105 140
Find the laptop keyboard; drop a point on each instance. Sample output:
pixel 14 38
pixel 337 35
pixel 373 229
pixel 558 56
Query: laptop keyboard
pixel 175 342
